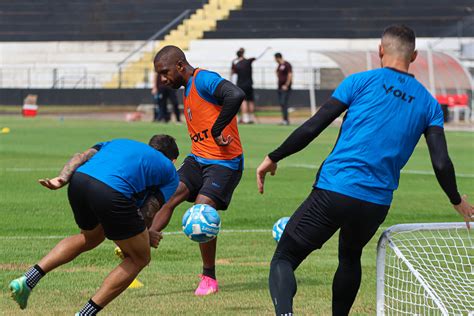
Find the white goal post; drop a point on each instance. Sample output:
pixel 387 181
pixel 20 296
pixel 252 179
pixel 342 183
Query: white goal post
pixel 425 269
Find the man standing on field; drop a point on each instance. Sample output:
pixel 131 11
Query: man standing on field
pixel 113 188
pixel 213 170
pixel 242 67
pixel 387 112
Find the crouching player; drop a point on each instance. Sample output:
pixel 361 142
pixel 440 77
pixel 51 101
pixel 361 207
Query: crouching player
pixel 107 185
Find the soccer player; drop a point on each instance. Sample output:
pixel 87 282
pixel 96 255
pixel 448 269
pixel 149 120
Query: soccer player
pixel 213 170
pixel 108 183
pixel 387 112
pixel 243 68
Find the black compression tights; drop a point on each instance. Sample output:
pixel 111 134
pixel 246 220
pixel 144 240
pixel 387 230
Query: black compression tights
pixel 288 256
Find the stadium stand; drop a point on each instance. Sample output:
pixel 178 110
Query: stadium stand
pixel 344 18
pixel 87 20
pixel 52 44
pixel 79 44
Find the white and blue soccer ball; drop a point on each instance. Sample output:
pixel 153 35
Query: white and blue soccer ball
pixel 201 223
pixel 279 227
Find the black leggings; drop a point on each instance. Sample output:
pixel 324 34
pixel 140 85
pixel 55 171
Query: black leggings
pixel 313 223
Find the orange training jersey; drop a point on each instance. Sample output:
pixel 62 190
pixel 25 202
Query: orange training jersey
pixel 200 117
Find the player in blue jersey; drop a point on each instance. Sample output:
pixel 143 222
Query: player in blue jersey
pixel 387 112
pixel 113 188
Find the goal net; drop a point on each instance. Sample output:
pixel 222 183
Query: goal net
pixel 425 269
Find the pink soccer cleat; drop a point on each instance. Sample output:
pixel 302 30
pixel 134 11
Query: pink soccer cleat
pixel 206 286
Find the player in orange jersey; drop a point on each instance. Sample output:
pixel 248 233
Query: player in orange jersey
pixel 213 170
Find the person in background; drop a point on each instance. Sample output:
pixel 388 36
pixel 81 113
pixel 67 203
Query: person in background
pixel 161 93
pixel 284 74
pixel 242 67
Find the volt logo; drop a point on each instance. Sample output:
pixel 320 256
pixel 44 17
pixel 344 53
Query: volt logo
pixel 200 136
pixel 398 93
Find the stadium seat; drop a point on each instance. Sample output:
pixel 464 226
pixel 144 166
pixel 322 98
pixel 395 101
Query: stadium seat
pixel 342 19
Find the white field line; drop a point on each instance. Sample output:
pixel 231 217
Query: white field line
pixel 224 231
pixel 421 172
pixel 298 165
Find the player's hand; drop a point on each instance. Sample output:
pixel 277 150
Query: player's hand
pixel 266 166
pixel 284 87
pixel 53 184
pixel 154 91
pixel 465 210
pixel 223 141
pixel 155 238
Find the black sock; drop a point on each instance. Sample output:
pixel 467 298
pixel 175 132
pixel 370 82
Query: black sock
pixel 34 275
pixel 346 281
pixel 90 309
pixel 209 272
pixel 282 286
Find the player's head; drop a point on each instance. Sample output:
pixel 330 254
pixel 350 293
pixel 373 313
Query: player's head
pixel 240 52
pixel 278 58
pixel 398 41
pixel 166 145
pixel 170 65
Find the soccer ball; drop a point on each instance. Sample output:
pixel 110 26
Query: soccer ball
pixel 201 223
pixel 279 227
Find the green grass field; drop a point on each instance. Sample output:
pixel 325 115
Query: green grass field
pixel 33 219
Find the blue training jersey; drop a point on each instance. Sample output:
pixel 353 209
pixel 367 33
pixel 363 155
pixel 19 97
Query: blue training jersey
pixel 388 111
pixel 206 83
pixel 133 168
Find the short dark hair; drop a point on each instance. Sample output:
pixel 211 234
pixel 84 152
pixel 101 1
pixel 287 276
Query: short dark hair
pixel 166 144
pixel 278 55
pixel 402 32
pixel 169 51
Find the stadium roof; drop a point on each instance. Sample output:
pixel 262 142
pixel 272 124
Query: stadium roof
pixel 447 74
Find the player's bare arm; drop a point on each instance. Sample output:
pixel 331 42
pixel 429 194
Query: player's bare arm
pixel 300 138
pixel 163 216
pixel 69 168
pixel 230 97
pixel 444 171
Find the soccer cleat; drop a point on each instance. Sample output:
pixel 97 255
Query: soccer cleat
pixel 20 291
pixel 206 286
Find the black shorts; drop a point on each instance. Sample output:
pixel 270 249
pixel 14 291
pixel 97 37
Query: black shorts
pixel 248 90
pixel 324 212
pixel 214 181
pixel 93 203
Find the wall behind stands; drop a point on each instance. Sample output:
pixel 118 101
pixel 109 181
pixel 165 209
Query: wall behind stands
pixel 263 97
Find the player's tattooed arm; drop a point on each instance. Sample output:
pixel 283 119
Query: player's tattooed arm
pixel 75 162
pixel 69 168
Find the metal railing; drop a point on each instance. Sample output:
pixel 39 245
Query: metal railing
pixel 264 77
pixel 150 40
